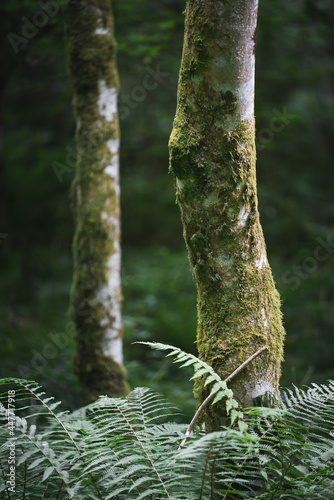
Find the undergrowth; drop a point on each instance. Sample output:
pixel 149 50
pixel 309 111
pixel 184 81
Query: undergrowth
pixel 131 448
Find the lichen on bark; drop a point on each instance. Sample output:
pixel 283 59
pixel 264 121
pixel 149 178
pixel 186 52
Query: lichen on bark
pixel 96 294
pixel 212 157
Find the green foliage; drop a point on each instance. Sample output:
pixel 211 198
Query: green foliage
pixel 219 388
pixel 127 448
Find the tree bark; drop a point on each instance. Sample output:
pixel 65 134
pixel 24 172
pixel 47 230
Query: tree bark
pixel 96 294
pixel 212 157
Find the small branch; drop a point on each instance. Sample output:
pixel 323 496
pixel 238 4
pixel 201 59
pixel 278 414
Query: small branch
pixel 241 367
pixel 210 397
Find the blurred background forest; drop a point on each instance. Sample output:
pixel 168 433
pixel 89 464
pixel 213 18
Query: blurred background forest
pixel 295 130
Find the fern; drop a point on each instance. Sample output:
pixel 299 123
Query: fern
pixel 219 389
pixel 296 446
pixel 49 453
pixel 128 448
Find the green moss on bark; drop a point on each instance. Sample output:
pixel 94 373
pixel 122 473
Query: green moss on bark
pixel 104 373
pixel 91 51
pixel 212 156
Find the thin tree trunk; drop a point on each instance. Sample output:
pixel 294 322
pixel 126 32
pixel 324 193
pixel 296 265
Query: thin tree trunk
pixel 212 157
pixel 96 294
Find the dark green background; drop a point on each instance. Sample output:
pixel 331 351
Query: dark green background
pixel 294 117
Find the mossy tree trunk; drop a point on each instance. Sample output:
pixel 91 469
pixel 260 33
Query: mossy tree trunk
pixel 212 157
pixel 96 294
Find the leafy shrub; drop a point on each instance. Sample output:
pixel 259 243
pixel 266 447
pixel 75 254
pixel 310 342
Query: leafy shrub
pixel 129 448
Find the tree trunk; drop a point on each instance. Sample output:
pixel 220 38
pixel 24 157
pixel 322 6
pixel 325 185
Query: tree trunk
pixel 212 157
pixel 96 294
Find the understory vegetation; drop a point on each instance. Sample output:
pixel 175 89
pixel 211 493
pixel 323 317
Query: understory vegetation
pixel 132 447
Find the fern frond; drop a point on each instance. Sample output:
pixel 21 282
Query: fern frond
pixel 187 359
pixel 136 449
pixel 202 369
pixel 33 449
pixel 126 450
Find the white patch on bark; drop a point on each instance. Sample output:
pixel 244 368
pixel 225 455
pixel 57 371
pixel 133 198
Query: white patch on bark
pixel 107 101
pixel 265 321
pixel 113 347
pixel 109 295
pixel 229 122
pixel 256 389
pixel 262 261
pixel 113 146
pixel 223 261
pixel 97 10
pixel 179 183
pixel 235 71
pixel 104 322
pixel 114 266
pixel 102 31
pixel 113 168
pixel 243 216
pixel 245 95
pixel 211 199
pixel 246 61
